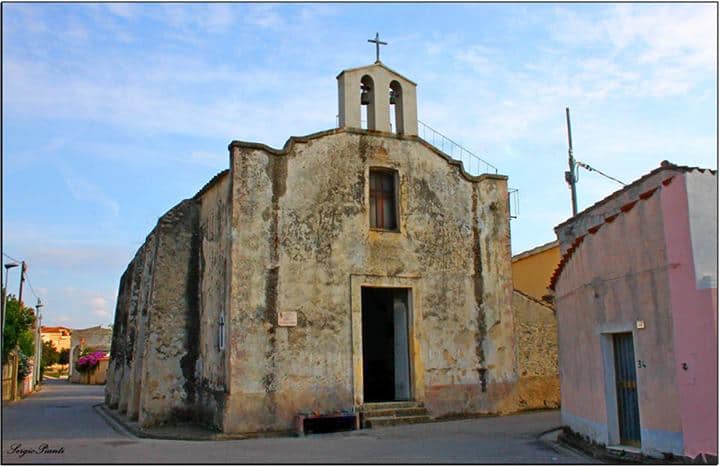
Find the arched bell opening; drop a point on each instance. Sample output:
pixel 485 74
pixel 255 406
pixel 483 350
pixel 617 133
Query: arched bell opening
pixel 396 107
pixel 367 103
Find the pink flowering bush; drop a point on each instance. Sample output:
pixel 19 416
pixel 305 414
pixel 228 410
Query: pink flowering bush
pixel 89 362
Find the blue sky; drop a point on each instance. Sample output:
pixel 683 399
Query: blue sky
pixel 113 113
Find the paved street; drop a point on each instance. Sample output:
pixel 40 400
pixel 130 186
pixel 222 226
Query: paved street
pixel 61 426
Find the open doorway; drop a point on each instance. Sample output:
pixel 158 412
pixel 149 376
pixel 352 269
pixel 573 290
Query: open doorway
pixel 386 365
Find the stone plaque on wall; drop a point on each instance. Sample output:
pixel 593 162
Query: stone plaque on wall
pixel 287 319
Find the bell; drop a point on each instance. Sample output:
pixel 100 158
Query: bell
pixel 365 96
pixel 393 97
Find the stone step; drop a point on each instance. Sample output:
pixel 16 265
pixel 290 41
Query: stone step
pixel 396 412
pixel 394 421
pixel 389 405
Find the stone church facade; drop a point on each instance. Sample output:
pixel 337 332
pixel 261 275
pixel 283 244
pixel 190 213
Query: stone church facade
pixel 352 266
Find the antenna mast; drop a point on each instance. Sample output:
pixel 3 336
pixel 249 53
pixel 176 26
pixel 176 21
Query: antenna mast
pixel 570 177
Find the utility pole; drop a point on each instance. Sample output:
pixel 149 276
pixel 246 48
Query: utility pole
pixel 23 268
pixel 570 175
pixel 8 266
pixel 38 343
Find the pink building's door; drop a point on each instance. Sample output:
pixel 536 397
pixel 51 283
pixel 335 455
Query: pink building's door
pixel 626 383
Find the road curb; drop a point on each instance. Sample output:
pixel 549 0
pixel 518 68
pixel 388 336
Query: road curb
pixel 555 444
pixel 600 452
pixel 123 426
pixel 115 424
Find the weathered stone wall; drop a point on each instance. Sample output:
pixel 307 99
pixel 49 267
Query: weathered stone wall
pixel 141 303
pixel 251 328
pixel 170 347
pixel 117 348
pixel 129 384
pixel 213 300
pixel 152 374
pixel 300 231
pixel 289 231
pixel 537 353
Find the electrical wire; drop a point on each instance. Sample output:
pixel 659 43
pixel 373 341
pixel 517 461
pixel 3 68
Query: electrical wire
pixel 32 290
pixel 591 169
pixel 11 258
pixel 27 279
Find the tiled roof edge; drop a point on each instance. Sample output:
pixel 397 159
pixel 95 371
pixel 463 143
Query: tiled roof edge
pixel 664 165
pixel 532 298
pixel 627 207
pixel 535 250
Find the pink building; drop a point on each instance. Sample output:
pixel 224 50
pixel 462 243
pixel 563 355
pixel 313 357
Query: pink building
pixel 636 301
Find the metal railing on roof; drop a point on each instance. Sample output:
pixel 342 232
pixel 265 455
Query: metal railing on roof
pixel 472 163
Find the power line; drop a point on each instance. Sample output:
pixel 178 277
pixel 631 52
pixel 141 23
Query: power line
pixel 11 258
pixel 32 290
pixel 591 169
pixel 25 273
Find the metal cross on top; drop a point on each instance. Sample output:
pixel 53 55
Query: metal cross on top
pixel 377 43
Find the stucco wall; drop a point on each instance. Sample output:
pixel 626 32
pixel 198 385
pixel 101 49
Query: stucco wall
pixel 59 338
pixel 532 271
pixel 595 214
pixel 615 277
pixel 702 202
pixel 300 230
pixel 537 353
pixel 689 205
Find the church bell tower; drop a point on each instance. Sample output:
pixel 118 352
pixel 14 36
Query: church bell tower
pixel 382 91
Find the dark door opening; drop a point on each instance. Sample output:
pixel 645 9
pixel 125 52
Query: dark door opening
pixel 626 384
pixel 386 366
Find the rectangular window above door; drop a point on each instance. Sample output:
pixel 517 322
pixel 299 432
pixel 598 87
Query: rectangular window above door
pixel 383 199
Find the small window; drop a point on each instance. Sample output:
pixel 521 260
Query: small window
pixel 383 205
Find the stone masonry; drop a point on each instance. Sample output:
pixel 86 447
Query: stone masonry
pixel 197 335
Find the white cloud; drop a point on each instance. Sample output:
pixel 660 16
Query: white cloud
pixel 78 307
pixel 80 255
pixel 64 250
pixel 104 97
pixel 601 61
pixel 674 46
pixel 85 190
pixel 264 16
pixel 123 10
pixel 100 306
